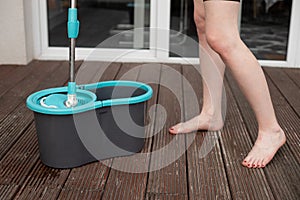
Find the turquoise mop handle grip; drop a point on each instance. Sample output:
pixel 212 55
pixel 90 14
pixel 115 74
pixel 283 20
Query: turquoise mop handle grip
pixel 73 23
pixel 71 88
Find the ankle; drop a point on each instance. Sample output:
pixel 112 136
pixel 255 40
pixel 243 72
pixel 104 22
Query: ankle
pixel 271 129
pixel 211 112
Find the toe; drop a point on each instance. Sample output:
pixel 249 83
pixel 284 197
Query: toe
pixel 259 163
pixel 264 163
pixel 255 163
pixel 245 163
pixel 172 130
pixel 250 162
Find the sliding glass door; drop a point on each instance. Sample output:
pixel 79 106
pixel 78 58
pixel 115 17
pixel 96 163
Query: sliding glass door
pixel 163 31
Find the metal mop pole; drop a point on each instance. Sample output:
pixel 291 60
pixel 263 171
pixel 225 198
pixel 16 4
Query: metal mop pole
pixel 73 30
pixel 72 50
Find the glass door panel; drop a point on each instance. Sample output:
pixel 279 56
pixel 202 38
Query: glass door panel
pixel 264 27
pixel 100 20
pixel 183 29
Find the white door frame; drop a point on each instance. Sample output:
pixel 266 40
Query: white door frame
pixel 159 40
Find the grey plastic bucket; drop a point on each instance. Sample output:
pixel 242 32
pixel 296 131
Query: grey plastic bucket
pixel 64 136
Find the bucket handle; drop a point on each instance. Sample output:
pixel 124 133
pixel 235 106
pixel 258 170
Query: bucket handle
pixel 112 102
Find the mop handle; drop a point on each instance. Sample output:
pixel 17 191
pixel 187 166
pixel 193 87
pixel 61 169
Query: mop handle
pixel 73 30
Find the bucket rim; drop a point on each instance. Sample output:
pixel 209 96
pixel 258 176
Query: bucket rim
pixel 34 105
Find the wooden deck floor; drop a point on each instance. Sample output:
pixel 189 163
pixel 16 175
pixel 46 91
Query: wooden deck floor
pixel 218 175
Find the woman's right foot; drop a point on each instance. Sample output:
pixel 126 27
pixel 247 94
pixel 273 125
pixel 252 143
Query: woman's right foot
pixel 200 122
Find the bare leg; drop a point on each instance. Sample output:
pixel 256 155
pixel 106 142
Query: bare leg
pixel 223 36
pixel 212 70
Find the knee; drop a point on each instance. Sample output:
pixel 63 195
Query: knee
pixel 222 42
pixel 199 20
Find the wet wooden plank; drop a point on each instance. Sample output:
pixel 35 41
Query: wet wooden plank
pixel 167 177
pixel 206 172
pixel 235 144
pixel 283 182
pixel 286 86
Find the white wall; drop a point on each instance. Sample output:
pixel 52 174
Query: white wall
pixel 15 41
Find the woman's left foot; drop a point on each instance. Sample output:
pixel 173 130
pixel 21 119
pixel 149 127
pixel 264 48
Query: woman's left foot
pixel 200 122
pixel 264 149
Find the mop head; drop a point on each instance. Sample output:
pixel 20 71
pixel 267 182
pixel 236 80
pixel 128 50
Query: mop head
pixel 54 101
pixel 61 100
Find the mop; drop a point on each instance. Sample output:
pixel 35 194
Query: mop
pixel 76 126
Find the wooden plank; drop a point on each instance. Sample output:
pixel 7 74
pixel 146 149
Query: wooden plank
pixel 7 191
pixel 95 71
pixel 282 182
pixel 13 126
pixel 11 75
pixel 11 99
pixel 171 180
pixel 5 70
pixel 46 182
pixel 294 74
pixel 86 182
pixel 42 182
pixel 17 121
pixel 206 171
pixel 15 166
pixel 150 74
pixel 121 184
pixel 58 78
pixel 128 71
pixel 235 145
pixel 286 86
pixel 19 118
pixel 287 115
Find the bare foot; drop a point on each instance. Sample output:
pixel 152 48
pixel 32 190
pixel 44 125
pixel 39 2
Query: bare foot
pixel 264 149
pixel 200 122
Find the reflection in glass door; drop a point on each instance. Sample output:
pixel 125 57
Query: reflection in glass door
pixel 100 20
pixel 264 27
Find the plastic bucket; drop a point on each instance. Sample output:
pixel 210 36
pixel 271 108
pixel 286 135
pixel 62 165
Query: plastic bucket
pixel 111 126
